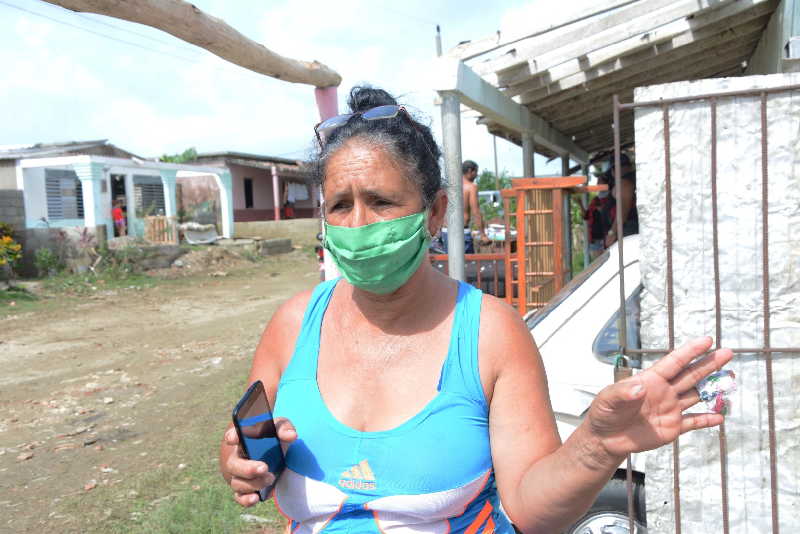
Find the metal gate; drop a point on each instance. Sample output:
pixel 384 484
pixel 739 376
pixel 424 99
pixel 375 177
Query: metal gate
pixel 767 351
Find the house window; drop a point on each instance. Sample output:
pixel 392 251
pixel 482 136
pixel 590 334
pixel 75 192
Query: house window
pixel 64 194
pixel 248 192
pixel 148 194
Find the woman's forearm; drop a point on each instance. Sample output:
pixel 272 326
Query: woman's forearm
pixel 559 488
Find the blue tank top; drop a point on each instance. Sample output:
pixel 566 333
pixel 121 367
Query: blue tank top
pixel 431 474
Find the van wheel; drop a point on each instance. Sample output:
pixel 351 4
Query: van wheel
pixel 609 514
pixel 605 522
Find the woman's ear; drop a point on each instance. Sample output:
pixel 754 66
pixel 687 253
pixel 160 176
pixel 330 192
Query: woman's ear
pixel 438 212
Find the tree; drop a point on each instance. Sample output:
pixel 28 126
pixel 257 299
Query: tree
pixel 190 154
pixel 487 182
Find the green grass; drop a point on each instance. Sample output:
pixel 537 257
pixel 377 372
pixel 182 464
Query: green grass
pixel 88 283
pixel 192 500
pixel 195 500
pixel 17 300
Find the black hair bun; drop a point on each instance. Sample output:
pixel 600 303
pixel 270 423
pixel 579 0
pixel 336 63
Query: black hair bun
pixel 365 97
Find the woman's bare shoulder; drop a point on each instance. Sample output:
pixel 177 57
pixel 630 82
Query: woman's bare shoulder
pixel 498 318
pixel 505 343
pixel 291 312
pixel 280 336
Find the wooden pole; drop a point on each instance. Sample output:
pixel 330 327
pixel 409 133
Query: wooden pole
pixel 187 22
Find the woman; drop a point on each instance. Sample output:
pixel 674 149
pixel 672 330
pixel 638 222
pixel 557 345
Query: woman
pixel 409 402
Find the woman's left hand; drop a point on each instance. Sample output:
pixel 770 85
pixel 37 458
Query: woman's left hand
pixel 646 411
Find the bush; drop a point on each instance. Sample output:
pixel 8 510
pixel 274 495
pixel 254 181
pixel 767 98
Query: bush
pixel 121 262
pixel 47 262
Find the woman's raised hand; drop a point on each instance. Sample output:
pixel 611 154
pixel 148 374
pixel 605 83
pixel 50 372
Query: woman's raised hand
pixel 248 477
pixel 646 411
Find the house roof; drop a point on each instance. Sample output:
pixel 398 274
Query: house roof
pixel 567 72
pixel 245 156
pixel 287 168
pixel 40 150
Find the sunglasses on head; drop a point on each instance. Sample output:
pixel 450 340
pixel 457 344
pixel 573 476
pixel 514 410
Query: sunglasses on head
pixel 390 111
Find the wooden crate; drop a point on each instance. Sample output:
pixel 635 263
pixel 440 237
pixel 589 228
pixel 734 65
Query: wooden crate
pixel 161 229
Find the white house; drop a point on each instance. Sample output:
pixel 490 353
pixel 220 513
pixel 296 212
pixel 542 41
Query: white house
pixel 73 185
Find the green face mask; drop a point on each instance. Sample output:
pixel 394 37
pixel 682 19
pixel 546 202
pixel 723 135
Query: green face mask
pixel 379 257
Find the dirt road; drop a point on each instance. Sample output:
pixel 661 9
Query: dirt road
pixel 98 391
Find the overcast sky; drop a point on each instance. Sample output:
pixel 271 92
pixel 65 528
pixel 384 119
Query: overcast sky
pixel 68 76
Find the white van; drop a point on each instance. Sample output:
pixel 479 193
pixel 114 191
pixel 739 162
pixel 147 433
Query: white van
pixel 577 336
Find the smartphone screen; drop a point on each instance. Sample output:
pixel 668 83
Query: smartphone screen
pixel 252 418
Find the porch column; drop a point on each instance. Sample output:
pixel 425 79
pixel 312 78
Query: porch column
pixel 168 180
pixel 528 169
pixel 451 140
pixel 276 193
pixel 568 241
pixel 586 236
pixel 95 211
pixel 226 202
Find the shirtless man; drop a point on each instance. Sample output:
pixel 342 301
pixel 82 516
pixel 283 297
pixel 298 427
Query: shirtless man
pixel 472 211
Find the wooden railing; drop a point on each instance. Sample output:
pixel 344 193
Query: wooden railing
pixel 487 272
pixel 533 266
pixel 161 229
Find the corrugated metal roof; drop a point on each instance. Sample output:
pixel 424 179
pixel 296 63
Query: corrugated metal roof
pixel 245 156
pixel 568 73
pixel 46 149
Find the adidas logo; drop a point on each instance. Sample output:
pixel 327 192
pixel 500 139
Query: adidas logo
pixel 359 476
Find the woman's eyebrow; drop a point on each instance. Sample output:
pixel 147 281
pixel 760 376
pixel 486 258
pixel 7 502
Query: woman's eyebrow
pixel 335 197
pixel 373 194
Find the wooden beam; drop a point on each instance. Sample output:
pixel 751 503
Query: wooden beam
pixel 547 53
pixel 573 72
pixel 187 22
pixel 594 143
pixel 471 49
pixel 634 33
pixel 478 94
pixel 551 182
pixel 648 58
pixel 577 112
pixel 655 58
pixel 578 118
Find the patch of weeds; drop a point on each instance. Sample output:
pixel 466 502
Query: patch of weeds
pixel 191 500
pixel 16 299
pixel 89 283
pixel 251 255
pixel 203 504
pixel 121 262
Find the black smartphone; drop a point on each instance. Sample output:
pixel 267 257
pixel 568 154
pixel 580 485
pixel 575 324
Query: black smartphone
pixel 252 418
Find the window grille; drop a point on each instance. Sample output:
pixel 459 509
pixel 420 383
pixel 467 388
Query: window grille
pixel 148 192
pixel 64 194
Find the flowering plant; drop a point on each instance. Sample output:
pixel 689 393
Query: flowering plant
pixel 10 250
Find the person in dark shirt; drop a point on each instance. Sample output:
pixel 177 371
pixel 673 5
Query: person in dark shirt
pixel 597 219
